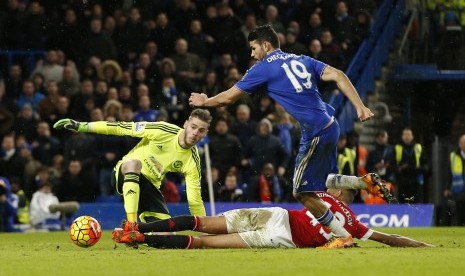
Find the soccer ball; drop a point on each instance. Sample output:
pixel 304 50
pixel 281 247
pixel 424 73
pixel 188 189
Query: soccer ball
pixel 85 231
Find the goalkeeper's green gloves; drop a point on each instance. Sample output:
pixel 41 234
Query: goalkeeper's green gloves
pixel 71 125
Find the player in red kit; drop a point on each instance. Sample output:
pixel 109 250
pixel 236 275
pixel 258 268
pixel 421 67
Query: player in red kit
pixel 272 227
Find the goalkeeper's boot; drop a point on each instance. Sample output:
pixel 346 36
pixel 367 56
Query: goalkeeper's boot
pixel 129 237
pixel 339 242
pixel 129 226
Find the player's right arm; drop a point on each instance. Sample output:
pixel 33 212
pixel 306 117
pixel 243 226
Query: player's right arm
pixel 224 98
pixel 344 84
pixel 134 129
pixel 397 240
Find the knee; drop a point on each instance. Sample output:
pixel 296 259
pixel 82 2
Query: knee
pixel 299 197
pixel 134 166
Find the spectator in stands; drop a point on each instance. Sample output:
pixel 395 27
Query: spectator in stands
pixel 226 62
pixel 8 206
pixel 29 96
pixel 266 187
pixel 145 112
pixel 312 29
pixel 50 69
pixel 199 42
pixel 112 110
pixel 47 105
pixel 78 101
pixel 379 158
pixel 456 188
pixel 69 85
pixel 272 18
pixel 316 51
pixel 185 12
pixel 345 157
pixel 45 146
pixel 110 72
pixel 263 148
pixel 331 48
pixel 164 34
pixel 39 206
pixel 30 167
pixel 188 65
pixel 14 81
pixel 225 148
pixel 409 164
pixel 39 82
pixel 361 30
pixel 97 44
pixel 226 24
pixel 342 26
pixel 125 96
pixel 7 117
pixel 151 48
pixel 244 126
pixel 35 27
pixel 100 93
pixel 231 191
pixel 263 108
pixel 26 122
pixel 292 45
pixel 77 184
pixel 210 84
pixel 70 32
pixel 361 152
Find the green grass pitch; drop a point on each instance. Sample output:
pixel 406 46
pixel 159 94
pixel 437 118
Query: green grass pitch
pixel 53 253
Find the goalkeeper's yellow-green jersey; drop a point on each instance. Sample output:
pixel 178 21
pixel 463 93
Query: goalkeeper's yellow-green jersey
pixel 160 152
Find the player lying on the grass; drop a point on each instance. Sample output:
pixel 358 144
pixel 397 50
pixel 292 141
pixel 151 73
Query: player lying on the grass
pixel 258 228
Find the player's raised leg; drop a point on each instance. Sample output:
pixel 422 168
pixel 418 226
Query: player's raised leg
pixel 370 182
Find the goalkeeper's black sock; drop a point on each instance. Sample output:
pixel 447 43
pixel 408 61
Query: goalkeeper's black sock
pixel 175 224
pixel 169 241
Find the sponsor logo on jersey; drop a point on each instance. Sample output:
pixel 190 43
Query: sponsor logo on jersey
pixel 139 126
pixel 177 164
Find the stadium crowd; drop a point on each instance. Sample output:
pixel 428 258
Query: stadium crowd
pixel 127 61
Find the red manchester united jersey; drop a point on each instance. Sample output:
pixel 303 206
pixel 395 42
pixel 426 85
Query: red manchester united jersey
pixel 308 232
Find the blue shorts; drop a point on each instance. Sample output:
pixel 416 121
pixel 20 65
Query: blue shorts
pixel 316 159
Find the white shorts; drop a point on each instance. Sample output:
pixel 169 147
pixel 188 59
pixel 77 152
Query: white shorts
pixel 261 227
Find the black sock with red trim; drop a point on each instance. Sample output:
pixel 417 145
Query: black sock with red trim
pixel 169 241
pixel 180 223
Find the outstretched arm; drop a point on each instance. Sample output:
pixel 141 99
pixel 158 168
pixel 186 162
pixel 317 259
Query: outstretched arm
pixel 224 98
pixel 397 240
pixel 344 84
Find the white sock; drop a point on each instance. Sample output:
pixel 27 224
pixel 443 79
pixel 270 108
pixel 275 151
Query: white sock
pixel 333 224
pixel 340 181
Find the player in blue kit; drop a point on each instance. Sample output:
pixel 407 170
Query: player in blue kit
pixel 291 80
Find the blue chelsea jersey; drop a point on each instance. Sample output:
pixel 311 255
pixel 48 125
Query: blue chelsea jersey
pixel 291 81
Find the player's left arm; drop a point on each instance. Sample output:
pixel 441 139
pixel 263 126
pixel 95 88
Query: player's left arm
pixel 344 84
pixel 397 240
pixel 192 175
pixel 224 98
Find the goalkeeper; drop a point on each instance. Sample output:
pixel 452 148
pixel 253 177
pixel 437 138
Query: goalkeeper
pixel 164 148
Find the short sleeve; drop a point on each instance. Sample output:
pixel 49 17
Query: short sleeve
pixel 253 79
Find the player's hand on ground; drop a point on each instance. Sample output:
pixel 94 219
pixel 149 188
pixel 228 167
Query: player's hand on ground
pixel 71 125
pixel 197 99
pixel 364 114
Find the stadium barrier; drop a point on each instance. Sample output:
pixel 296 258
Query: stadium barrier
pixel 110 215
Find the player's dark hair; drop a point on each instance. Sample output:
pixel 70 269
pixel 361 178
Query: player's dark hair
pixel 264 33
pixel 202 114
